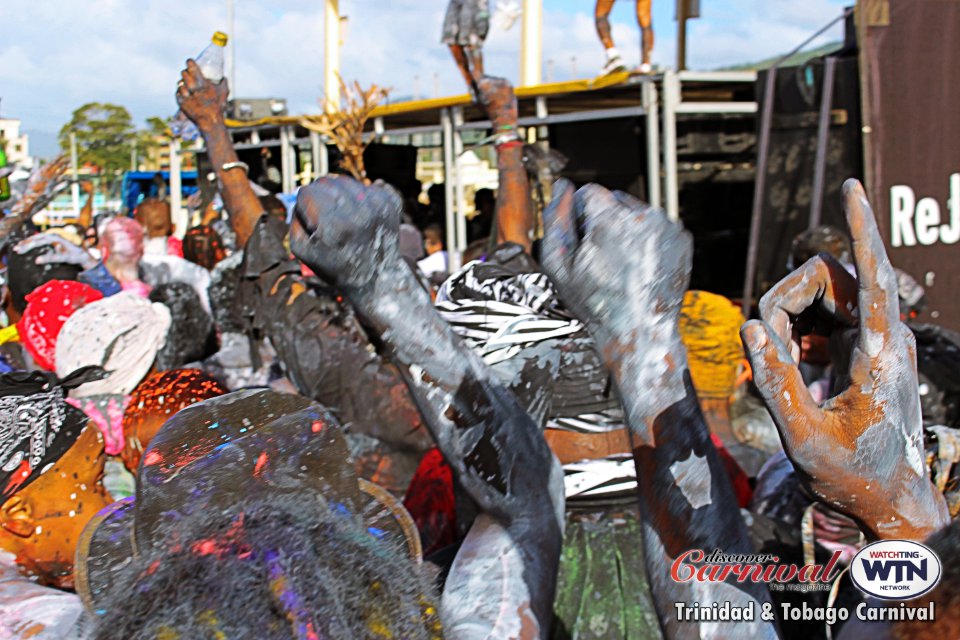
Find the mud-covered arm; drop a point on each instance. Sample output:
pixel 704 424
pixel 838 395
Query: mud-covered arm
pixel 625 278
pixel 324 353
pixel 504 579
pixel 204 102
pixel 861 451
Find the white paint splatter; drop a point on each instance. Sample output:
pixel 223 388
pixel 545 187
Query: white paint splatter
pixel 692 477
pixel 490 563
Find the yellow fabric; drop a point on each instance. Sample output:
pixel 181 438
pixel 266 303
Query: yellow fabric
pixel 710 330
pixel 9 334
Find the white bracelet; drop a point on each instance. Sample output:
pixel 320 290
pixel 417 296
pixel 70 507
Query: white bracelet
pixel 236 165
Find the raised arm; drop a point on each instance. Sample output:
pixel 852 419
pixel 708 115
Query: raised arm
pixel 502 583
pixel 204 102
pixel 514 213
pixel 623 267
pixel 861 451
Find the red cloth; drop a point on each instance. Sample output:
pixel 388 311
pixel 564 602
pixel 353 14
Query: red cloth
pixel 431 503
pixel 738 478
pixel 48 307
pixel 174 246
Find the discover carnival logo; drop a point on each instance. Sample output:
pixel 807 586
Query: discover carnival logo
pixel 895 569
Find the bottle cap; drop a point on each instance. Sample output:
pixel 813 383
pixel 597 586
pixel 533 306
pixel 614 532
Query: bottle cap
pixel 220 38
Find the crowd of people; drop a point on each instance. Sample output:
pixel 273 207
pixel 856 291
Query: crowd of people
pixel 312 429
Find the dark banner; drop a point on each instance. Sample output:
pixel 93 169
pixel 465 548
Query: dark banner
pixel 910 82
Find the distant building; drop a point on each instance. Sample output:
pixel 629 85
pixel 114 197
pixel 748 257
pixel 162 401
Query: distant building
pixel 17 144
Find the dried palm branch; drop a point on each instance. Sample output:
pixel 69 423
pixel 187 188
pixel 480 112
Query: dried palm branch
pixel 344 124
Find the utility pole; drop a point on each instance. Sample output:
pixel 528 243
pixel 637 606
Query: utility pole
pixel 232 65
pixel 681 35
pixel 331 54
pixel 531 43
pixel 75 171
pixel 686 9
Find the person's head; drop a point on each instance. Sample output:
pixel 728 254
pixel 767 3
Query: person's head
pixel 437 196
pixel 433 239
pixel 192 334
pixel 51 494
pixel 485 202
pixel 155 400
pixel 202 246
pixel 25 275
pixel 249 515
pixel 273 206
pixel 48 308
pixel 122 241
pixel 812 242
pixel 155 217
pixel 121 333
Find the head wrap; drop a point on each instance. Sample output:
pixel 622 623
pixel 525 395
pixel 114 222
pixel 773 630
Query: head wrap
pixel 36 425
pixel 48 307
pixel 202 246
pixel 194 339
pixel 121 333
pixel 156 400
pixel 710 330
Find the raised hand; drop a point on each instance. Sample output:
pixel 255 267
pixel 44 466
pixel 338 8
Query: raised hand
pixel 862 450
pixel 64 251
pixel 622 267
pixel 201 100
pixel 346 232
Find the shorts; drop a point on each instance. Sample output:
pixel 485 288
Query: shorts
pixel 466 23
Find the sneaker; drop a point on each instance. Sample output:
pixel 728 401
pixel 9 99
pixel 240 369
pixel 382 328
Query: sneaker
pixel 645 68
pixel 614 64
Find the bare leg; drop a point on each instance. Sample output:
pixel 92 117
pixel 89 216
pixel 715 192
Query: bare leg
pixel 601 16
pixel 645 20
pixel 475 56
pixel 463 64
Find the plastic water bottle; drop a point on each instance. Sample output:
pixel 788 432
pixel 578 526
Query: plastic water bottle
pixel 210 62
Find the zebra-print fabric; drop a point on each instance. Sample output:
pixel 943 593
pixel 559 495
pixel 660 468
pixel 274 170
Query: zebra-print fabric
pixel 500 313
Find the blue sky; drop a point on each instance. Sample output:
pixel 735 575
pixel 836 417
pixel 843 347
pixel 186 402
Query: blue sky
pixel 57 54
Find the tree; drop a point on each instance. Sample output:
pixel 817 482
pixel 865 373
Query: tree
pixel 151 138
pixel 104 133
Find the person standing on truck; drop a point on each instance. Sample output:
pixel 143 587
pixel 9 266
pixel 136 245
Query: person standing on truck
pixel 644 18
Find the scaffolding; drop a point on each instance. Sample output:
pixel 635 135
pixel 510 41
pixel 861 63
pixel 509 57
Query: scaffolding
pixel 658 99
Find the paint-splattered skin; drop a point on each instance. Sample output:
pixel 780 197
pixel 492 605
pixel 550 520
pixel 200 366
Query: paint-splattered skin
pixel 622 268
pixel 514 213
pixel 348 234
pixel 862 450
pixel 204 103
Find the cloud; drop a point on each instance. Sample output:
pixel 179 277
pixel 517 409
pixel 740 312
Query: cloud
pixel 59 54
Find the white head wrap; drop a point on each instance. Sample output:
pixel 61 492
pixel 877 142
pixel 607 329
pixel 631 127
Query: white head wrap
pixel 121 333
